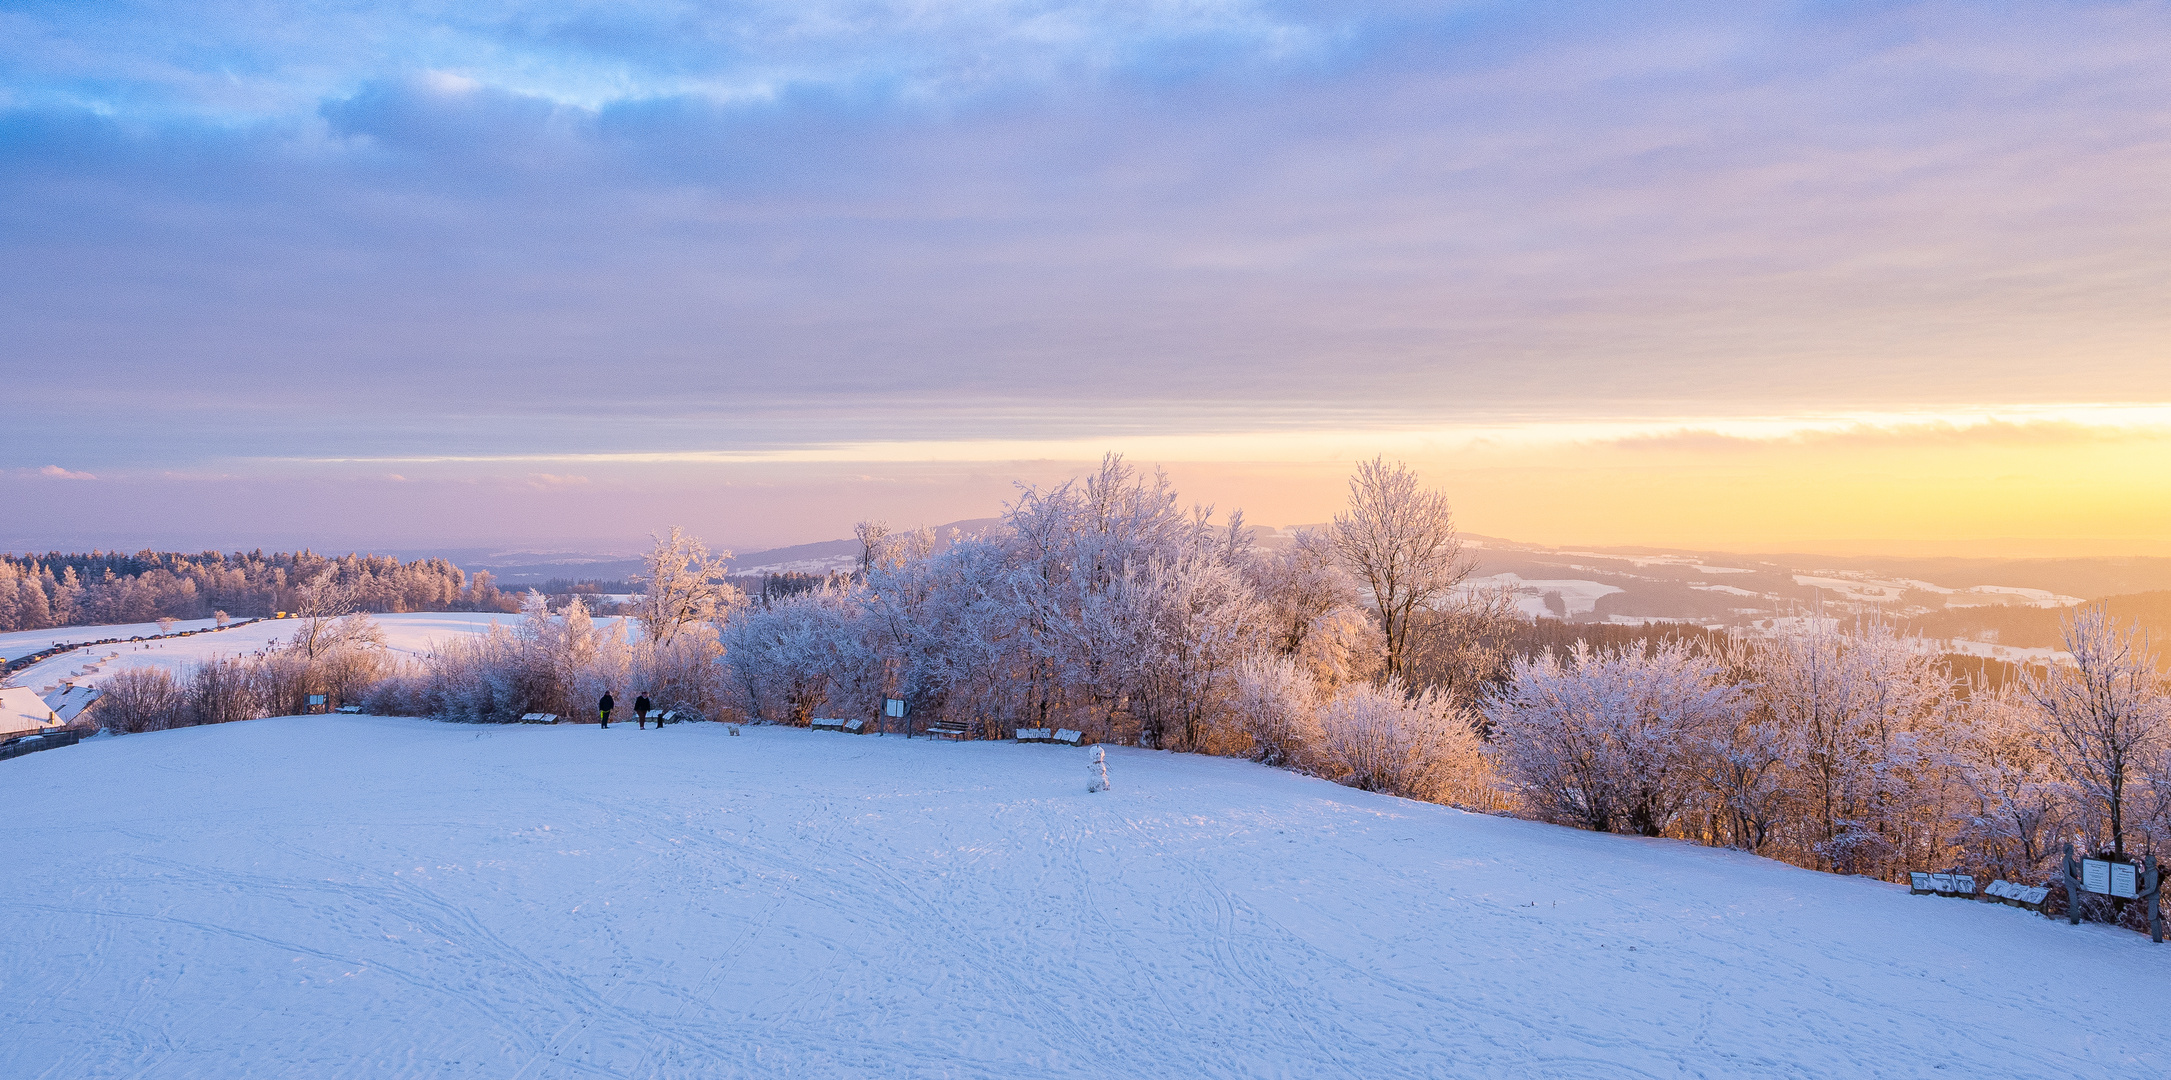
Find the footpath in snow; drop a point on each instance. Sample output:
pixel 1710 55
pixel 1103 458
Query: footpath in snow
pixel 387 897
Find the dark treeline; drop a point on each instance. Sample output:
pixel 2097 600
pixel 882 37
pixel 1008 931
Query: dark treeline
pixel 57 589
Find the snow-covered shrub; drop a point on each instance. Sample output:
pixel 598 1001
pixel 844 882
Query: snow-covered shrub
pixel 1611 740
pixel 1380 738
pixel 141 699
pixel 1275 705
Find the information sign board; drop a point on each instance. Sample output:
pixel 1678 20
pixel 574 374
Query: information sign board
pixel 2124 882
pixel 893 707
pixel 2095 875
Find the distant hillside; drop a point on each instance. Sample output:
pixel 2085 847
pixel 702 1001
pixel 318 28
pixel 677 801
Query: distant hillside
pixel 829 556
pixel 2032 628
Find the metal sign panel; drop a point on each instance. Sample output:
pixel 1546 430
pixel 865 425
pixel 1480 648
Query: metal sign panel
pixel 316 699
pixel 2095 875
pixel 893 707
pixel 2123 881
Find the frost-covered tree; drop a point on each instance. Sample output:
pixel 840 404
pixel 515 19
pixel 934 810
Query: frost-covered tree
pixel 2015 805
pixel 682 584
pixel 1612 740
pixel 2107 717
pixel 1398 538
pixel 1862 710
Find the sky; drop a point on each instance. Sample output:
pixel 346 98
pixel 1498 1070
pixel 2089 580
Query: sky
pixel 1741 276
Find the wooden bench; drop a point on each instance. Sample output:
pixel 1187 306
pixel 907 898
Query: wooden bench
pixel 539 718
pixel 2020 896
pixel 1035 734
pixel 1947 884
pixel 1068 737
pixel 855 727
pixel 947 729
pixel 827 723
pixel 351 710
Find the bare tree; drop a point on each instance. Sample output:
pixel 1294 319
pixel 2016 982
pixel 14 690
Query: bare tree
pixel 2107 716
pixel 1399 540
pixel 684 584
pixel 320 605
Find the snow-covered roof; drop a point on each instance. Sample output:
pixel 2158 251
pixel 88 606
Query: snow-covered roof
pixel 22 710
pixel 69 702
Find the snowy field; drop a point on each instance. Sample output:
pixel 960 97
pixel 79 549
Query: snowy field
pixel 360 896
pixel 412 633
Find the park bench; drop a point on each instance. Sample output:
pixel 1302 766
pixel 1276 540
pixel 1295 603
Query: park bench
pixel 1068 737
pixel 2020 896
pixel 855 727
pixel 1035 734
pixel 1947 884
pixel 539 718
pixel 827 723
pixel 947 729
pixel 351 710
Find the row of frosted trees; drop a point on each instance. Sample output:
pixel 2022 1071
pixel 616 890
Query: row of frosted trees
pixel 1845 748
pixel 1107 606
pixel 101 588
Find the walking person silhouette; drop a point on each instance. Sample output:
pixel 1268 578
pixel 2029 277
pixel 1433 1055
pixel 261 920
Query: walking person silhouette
pixel 640 713
pixel 604 707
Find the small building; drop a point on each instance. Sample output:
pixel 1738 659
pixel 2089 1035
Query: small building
pixel 23 712
pixel 69 703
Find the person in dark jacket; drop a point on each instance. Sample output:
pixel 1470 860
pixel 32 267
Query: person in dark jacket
pixel 640 712
pixel 604 707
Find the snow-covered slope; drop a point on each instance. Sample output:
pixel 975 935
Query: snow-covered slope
pixel 408 632
pixel 366 896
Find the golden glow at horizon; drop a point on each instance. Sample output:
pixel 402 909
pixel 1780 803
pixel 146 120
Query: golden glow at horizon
pixel 1953 474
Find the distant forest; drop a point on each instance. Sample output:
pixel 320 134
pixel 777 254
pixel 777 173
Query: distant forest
pixel 56 589
pixel 2037 628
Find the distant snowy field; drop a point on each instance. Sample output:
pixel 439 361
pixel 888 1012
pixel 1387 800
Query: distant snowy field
pixel 412 633
pixel 384 897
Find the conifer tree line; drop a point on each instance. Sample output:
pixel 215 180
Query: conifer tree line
pixel 40 591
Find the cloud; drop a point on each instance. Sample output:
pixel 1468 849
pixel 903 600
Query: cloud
pixel 548 480
pixel 59 473
pixel 647 235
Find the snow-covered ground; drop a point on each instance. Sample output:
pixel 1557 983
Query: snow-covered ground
pixel 412 633
pixel 17 643
pixel 381 897
pixel 1578 597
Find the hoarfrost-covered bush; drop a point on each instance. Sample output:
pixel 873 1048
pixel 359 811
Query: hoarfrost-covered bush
pixel 1275 704
pixel 794 657
pixel 1611 740
pixel 1379 738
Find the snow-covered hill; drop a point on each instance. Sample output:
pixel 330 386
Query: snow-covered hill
pixel 411 633
pixel 366 896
